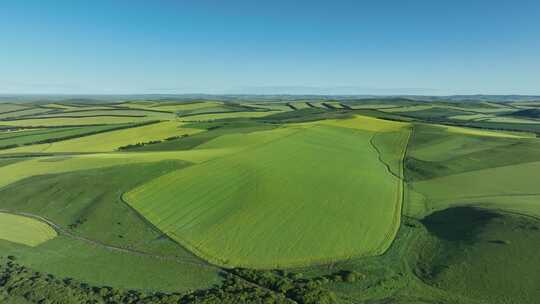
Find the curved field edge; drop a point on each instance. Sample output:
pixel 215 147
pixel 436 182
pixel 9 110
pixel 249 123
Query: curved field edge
pixel 403 138
pixel 24 230
pixel 407 133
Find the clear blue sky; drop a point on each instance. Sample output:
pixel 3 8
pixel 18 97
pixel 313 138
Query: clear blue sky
pixel 341 47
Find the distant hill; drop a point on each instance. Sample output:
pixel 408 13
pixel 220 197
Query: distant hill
pixel 261 98
pixel 528 113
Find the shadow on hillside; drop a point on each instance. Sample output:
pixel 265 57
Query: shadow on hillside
pixel 460 224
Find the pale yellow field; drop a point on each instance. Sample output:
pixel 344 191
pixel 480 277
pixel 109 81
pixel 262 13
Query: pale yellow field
pixel 372 106
pixel 58 164
pixel 209 117
pixel 408 108
pixel 110 141
pixel 300 105
pixel 367 123
pixel 512 120
pixel 24 230
pixel 480 132
pixel 471 116
pixel 172 107
pixel 46 122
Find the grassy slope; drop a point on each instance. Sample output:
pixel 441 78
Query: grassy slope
pixel 92 209
pixel 484 256
pixel 24 230
pixel 483 272
pixel 442 160
pixel 472 255
pixel 235 216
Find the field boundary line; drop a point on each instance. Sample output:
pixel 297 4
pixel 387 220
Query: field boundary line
pixel 398 211
pixel 62 231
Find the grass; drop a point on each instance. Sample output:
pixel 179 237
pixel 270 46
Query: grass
pixel 505 119
pixel 10 107
pixel 434 113
pixel 58 164
pixel 440 192
pixel 92 209
pixel 234 216
pixel 74 121
pixel 173 106
pixel 68 258
pixel 317 189
pixel 483 256
pixel 30 136
pixel 218 116
pixel 487 133
pixel 23 112
pixel 107 112
pixel 215 130
pixel 110 141
pixel 268 106
pixel 24 230
pixel 371 124
pixel 441 160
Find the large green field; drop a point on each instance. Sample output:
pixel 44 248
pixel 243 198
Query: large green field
pixel 270 200
pixel 228 211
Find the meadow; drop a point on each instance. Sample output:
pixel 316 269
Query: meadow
pixel 284 200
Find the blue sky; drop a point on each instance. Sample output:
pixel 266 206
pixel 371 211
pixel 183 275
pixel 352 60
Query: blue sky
pixel 325 47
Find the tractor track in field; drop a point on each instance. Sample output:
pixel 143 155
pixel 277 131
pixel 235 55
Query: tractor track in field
pixel 62 231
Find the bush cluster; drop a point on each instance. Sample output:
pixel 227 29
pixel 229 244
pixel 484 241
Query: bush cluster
pixel 153 142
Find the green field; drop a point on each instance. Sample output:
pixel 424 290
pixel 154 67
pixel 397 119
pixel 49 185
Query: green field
pixel 375 200
pixel 235 193
pixel 24 230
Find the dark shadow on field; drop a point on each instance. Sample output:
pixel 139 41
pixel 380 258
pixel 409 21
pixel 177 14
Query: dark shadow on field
pixel 459 224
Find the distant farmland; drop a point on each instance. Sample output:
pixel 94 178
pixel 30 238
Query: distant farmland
pixel 298 200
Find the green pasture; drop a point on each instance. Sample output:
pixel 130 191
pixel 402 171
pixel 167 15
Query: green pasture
pixel 24 230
